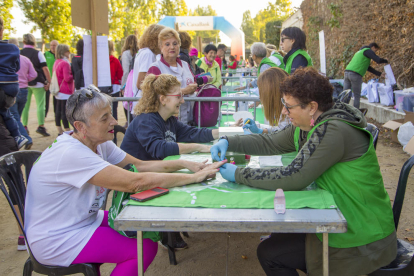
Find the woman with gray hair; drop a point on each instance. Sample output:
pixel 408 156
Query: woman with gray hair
pixel 68 185
pixel 258 53
pixel 63 72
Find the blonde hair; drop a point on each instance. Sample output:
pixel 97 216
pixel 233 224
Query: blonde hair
pixel 131 44
pixel 185 40
pixel 149 38
pixel 270 94
pixel 152 88
pixel 270 48
pixel 29 39
pixel 111 47
pixel 168 33
pixel 61 50
pixel 14 41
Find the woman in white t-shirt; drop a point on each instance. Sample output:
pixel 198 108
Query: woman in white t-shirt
pixel 68 184
pixel 147 54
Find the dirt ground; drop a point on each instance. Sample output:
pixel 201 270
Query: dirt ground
pixel 207 251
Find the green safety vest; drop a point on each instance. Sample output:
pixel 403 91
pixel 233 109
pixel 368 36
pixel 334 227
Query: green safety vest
pixel 267 61
pixel 359 192
pixel 279 57
pixel 50 61
pixel 359 63
pixel 289 62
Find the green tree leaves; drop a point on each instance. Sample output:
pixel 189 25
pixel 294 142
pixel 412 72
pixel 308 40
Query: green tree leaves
pixel 5 8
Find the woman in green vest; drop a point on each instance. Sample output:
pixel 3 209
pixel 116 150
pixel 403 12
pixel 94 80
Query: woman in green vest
pixel 337 153
pixel 259 55
pixel 293 42
pixel 274 55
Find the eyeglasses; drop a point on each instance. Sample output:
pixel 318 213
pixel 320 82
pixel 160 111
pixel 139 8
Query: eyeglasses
pixel 86 92
pixel 179 96
pixel 289 107
pixel 283 38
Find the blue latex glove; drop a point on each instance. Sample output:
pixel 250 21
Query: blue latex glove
pixel 228 172
pixel 221 147
pixel 251 126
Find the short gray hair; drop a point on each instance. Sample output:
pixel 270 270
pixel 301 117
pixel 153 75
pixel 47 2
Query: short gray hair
pixel 14 41
pixel 84 107
pixel 29 39
pixel 61 50
pixel 258 49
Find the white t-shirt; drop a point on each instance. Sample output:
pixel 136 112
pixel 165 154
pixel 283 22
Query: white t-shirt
pixel 42 59
pixel 143 60
pixel 62 209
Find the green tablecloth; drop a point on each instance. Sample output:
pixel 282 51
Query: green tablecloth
pixel 219 193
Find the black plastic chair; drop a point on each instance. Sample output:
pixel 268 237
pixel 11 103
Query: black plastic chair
pixel 117 129
pixel 345 96
pixel 374 132
pixel 12 184
pixel 403 265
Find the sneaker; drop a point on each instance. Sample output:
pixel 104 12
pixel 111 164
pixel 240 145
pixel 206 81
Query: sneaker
pixel 28 146
pixel 42 131
pixel 21 244
pixel 27 130
pixel 21 141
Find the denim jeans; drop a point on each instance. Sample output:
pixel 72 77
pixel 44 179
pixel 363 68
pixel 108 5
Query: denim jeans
pixel 17 109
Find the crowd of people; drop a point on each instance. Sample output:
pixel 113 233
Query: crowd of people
pixel 333 148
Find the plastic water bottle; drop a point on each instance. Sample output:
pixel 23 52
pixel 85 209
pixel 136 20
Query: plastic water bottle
pixel 280 202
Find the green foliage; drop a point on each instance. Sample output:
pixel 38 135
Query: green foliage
pixel 173 8
pixel 272 32
pixel 336 14
pixel 5 8
pixel 207 36
pixel 247 27
pixel 279 10
pixel 314 26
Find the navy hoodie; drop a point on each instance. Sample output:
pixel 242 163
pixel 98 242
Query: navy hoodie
pixel 9 62
pixel 149 137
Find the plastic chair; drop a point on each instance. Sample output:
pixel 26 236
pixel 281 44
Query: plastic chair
pixel 403 265
pixel 345 96
pixel 12 184
pixel 374 132
pixel 117 129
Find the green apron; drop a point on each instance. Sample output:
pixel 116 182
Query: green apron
pixel 267 61
pixel 359 193
pixel 279 57
pixel 359 63
pixel 289 62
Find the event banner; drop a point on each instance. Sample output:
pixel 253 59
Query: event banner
pixel 195 23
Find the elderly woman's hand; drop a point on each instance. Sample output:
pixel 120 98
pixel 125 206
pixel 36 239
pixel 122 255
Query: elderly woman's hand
pixel 240 88
pixel 238 123
pixel 208 172
pixel 191 88
pixel 196 166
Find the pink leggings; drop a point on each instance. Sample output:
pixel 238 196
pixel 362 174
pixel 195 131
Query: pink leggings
pixel 108 246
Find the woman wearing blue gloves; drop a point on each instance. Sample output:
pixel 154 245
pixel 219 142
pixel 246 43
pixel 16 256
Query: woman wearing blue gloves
pixel 334 151
pixel 270 95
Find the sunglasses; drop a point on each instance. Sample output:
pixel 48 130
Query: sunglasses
pixel 289 107
pixel 179 96
pixel 87 93
pixel 283 38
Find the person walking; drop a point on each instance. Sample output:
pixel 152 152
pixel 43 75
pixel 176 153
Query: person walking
pixel 77 64
pixel 359 65
pixel 116 77
pixel 50 60
pixel 38 86
pixel 26 73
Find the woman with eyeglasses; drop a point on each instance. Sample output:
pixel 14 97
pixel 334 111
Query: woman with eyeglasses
pixel 170 63
pixel 336 152
pixel 293 42
pixel 67 186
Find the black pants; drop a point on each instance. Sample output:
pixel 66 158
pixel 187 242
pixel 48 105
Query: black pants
pixel 128 114
pixel 60 114
pixel 115 106
pixel 282 254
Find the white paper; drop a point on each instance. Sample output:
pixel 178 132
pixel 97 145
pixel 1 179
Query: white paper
pixel 322 51
pixel 270 161
pixel 389 75
pixel 104 70
pixel 242 114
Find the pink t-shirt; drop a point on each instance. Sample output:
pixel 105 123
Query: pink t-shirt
pixel 26 73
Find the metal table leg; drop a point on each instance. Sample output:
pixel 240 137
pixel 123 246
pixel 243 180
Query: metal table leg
pixel 325 254
pixel 140 254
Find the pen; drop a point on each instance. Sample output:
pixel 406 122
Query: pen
pixel 248 121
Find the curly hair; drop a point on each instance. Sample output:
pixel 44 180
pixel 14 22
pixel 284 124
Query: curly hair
pixel 185 40
pixel 168 33
pixel 307 85
pixel 269 89
pixel 152 88
pixel 149 38
pixel 131 44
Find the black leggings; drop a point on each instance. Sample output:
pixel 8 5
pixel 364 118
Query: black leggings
pixel 60 114
pixel 115 106
pixel 282 254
